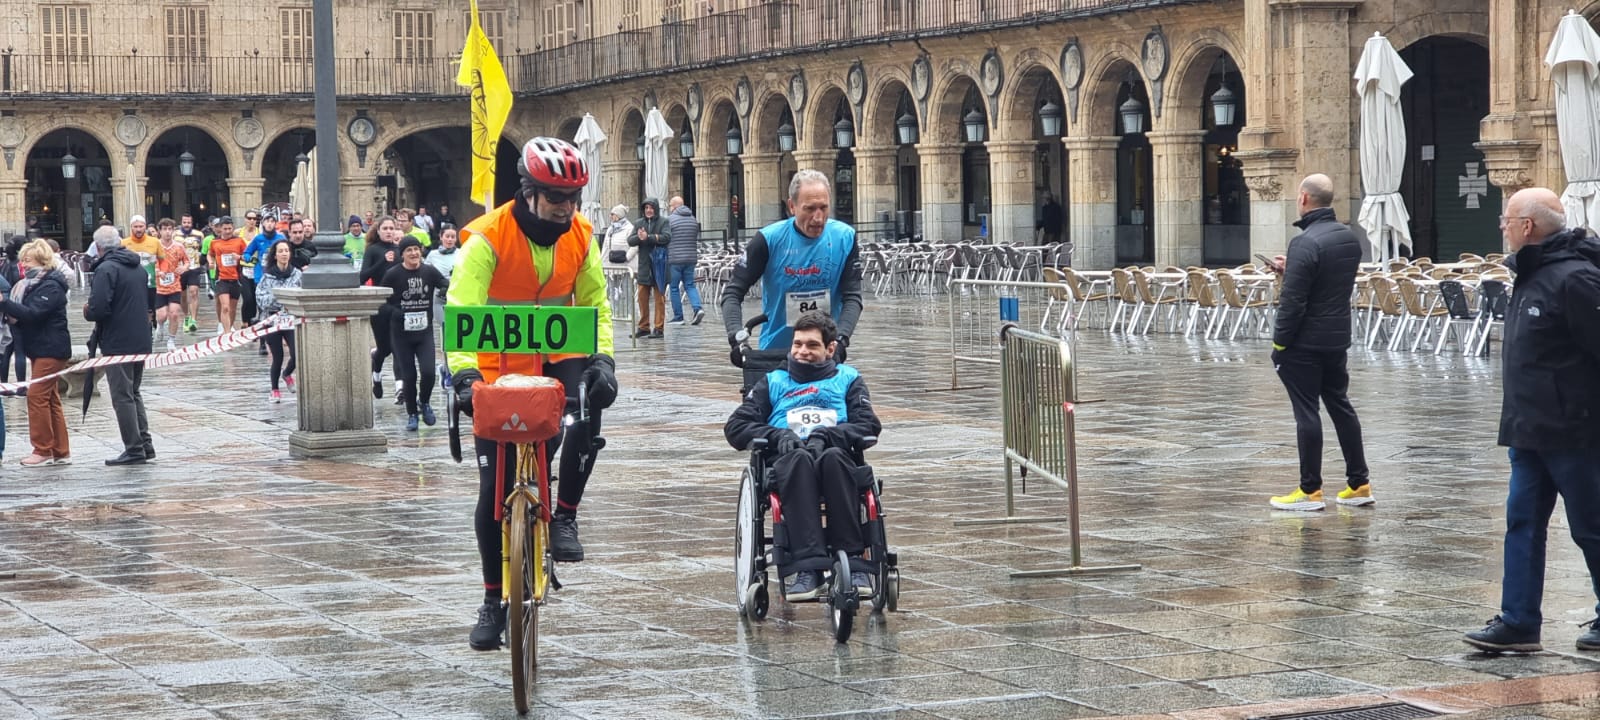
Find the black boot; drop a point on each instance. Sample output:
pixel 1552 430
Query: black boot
pixel 491 625
pixel 128 457
pixel 564 545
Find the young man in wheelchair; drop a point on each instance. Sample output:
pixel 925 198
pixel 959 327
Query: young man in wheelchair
pixel 813 414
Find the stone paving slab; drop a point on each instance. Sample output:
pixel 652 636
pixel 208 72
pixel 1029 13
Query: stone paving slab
pixel 228 580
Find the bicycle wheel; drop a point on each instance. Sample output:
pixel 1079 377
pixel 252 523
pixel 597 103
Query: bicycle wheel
pixel 522 614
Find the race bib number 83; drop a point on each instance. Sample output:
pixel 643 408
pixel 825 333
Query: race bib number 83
pixel 804 420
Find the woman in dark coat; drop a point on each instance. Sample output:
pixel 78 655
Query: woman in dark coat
pixel 38 309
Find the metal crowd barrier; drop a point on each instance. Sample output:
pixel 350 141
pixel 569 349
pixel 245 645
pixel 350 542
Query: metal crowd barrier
pixel 620 289
pixel 1038 395
pixel 978 309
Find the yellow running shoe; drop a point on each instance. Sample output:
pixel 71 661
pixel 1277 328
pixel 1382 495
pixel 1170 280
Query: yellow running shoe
pixel 1359 496
pixel 1299 500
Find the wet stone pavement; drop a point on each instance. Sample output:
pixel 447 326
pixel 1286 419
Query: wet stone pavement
pixel 228 581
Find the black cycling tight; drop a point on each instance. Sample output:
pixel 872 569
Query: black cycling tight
pixel 413 354
pixel 573 475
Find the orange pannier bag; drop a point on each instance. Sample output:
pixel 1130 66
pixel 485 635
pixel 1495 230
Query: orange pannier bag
pixel 524 409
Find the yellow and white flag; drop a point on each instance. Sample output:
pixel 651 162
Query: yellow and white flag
pixel 491 105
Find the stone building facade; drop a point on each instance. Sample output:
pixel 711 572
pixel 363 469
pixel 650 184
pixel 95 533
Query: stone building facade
pixel 945 103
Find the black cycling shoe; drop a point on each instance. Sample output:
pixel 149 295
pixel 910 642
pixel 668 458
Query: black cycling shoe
pixel 486 635
pixel 564 545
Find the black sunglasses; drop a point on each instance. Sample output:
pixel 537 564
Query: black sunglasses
pixel 561 198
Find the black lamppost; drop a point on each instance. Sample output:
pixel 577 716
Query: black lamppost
pixel 186 164
pixel 1132 116
pixel 735 141
pixel 686 145
pixel 1050 119
pixel 844 134
pixel 906 126
pixel 973 123
pixel 1224 106
pixel 786 137
pixel 69 166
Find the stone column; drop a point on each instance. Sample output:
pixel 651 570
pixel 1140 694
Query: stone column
pixel 1011 168
pixel 1511 165
pixel 244 193
pixel 1092 183
pixel 1179 191
pixel 674 182
pixel 1271 175
pixel 822 160
pixel 875 182
pixel 13 205
pixel 622 187
pixel 941 191
pixel 763 198
pixel 711 191
pixel 335 370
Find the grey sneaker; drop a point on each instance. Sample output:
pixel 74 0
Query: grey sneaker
pixel 1590 640
pixel 802 586
pixel 699 315
pixel 863 583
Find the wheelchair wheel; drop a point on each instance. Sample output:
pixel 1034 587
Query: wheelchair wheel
pixel 522 615
pixel 750 584
pixel 891 590
pixel 881 599
pixel 842 600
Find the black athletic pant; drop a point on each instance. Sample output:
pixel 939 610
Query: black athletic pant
pixel 381 335
pixel 14 355
pixel 573 472
pixel 275 344
pixel 1310 377
pixel 413 354
pixel 247 287
pixel 805 479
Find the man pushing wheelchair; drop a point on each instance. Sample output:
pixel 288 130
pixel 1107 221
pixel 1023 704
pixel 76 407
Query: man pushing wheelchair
pixel 814 416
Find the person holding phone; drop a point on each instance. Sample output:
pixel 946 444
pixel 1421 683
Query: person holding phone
pixel 1311 342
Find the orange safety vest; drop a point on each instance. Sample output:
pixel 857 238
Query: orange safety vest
pixel 516 281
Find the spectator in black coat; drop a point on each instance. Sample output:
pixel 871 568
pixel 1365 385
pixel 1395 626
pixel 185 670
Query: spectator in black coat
pixel 38 308
pixel 1311 342
pixel 1549 409
pixel 118 304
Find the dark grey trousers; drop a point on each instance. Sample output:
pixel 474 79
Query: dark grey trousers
pixel 128 404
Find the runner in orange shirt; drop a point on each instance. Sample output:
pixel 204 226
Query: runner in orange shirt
pixel 226 254
pixel 172 261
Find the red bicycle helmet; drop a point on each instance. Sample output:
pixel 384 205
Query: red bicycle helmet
pixel 554 164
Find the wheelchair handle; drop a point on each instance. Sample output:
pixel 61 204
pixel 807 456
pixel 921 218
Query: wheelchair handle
pixel 867 442
pixel 759 444
pixel 755 322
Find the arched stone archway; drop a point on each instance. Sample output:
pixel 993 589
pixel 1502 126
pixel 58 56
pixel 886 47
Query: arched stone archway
pixel 278 164
pixel 433 167
pixel 888 168
pixel 69 209
pixel 568 129
pixel 1028 164
pixel 206 191
pixel 768 166
pixel 718 170
pixel 624 168
pixel 680 175
pixel 1202 197
pixel 956 199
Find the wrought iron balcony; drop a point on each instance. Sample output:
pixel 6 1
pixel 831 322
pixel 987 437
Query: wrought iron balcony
pixel 768 30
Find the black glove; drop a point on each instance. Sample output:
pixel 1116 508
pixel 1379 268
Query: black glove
pixel 785 442
pixel 839 354
pixel 835 436
pixel 736 355
pixel 462 382
pixel 601 377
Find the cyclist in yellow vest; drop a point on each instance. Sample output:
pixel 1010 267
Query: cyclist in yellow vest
pixel 535 249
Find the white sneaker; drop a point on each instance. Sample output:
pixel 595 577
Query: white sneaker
pixel 171 346
pixel 679 321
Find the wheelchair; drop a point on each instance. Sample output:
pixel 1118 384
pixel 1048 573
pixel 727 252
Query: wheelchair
pixel 756 362
pixel 756 552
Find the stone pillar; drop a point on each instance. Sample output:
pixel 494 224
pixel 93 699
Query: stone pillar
pixel 1271 175
pixel 622 187
pixel 357 195
pixel 822 161
pixel 875 182
pixel 1511 165
pixel 335 370
pixel 763 198
pixel 941 191
pixel 244 193
pixel 1011 168
pixel 1179 192
pixel 1092 183
pixel 674 182
pixel 13 205
pixel 711 191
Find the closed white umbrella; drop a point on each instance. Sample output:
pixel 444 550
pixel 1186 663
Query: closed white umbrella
pixel 589 139
pixel 1574 60
pixel 657 133
pixel 303 191
pixel 1379 76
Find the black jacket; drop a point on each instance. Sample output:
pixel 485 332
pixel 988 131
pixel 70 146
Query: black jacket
pixel 375 262
pixel 42 317
pixel 749 420
pixel 1319 275
pixel 1551 354
pixel 119 303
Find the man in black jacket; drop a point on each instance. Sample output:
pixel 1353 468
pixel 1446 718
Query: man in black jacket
pixel 118 304
pixel 1310 343
pixel 812 413
pixel 1551 378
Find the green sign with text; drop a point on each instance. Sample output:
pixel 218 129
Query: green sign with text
pixel 521 329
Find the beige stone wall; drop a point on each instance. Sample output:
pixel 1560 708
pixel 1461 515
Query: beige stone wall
pixel 1296 57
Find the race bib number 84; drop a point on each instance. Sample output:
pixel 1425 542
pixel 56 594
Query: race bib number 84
pixel 800 303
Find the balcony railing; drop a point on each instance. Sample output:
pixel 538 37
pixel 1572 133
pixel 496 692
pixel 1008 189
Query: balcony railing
pixel 770 29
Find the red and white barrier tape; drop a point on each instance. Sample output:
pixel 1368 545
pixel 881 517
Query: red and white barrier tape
pixel 189 353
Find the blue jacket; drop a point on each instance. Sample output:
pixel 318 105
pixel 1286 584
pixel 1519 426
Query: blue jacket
pixel 256 251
